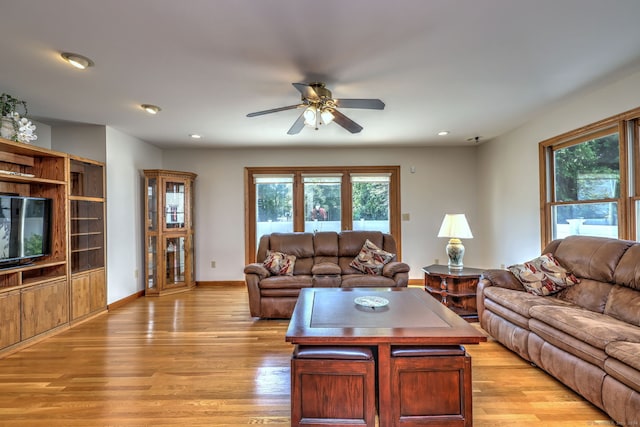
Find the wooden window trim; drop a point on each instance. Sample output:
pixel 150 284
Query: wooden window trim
pixel 298 198
pixel 619 122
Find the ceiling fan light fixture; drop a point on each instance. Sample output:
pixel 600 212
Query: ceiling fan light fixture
pixel 327 116
pixel 151 109
pixel 78 61
pixel 310 115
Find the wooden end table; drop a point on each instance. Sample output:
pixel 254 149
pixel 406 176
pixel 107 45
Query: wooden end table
pixel 454 288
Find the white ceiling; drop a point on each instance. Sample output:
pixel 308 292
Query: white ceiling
pixel 472 67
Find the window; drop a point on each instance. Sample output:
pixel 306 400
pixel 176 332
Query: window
pixel 370 202
pixel 274 204
pixel 587 186
pixel 322 202
pixel 587 181
pixel 321 199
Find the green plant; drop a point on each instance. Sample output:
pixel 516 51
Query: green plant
pixel 9 105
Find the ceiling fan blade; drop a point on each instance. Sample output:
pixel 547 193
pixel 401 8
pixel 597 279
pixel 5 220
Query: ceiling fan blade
pixel 346 122
pixel 274 110
pixel 298 125
pixel 371 104
pixel 306 90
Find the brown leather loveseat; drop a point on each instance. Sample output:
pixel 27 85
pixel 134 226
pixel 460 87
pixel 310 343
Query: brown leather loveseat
pixel 586 335
pixel 322 259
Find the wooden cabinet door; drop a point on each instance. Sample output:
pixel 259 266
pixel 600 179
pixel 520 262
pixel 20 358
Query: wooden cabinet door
pixel 88 293
pixel 44 307
pixel 80 296
pixel 98 290
pixel 9 318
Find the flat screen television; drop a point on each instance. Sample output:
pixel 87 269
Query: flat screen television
pixel 25 229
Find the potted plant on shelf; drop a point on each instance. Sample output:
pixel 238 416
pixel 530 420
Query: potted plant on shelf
pixel 13 126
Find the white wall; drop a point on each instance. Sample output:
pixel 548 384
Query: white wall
pixel 508 170
pixel 444 182
pixel 82 140
pixel 126 157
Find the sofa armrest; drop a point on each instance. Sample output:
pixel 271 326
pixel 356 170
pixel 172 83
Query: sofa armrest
pixel 503 279
pixel 392 268
pixel 257 268
pixel 499 278
pixel 254 273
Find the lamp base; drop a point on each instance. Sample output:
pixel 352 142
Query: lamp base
pixel 455 252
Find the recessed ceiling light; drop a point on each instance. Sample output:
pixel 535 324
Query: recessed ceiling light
pixel 443 133
pixel 195 136
pixel 151 109
pixel 78 61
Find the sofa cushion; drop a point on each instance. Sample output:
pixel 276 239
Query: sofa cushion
pixel 371 259
pixel 325 269
pixel 365 281
pixel 593 328
pixel 543 275
pixel 518 301
pixel 299 245
pixel 568 343
pixel 628 270
pixel 624 304
pixel 279 264
pixel 505 313
pixel 589 294
pixel 350 242
pixel 591 257
pixel 626 352
pixel 286 282
pixel 624 363
pixel 325 244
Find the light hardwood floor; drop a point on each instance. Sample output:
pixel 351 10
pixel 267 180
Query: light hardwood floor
pixel 198 359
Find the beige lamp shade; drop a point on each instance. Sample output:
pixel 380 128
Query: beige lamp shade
pixel 456 226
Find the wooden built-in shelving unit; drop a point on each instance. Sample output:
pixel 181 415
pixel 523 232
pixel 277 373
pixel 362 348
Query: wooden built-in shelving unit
pixel 36 299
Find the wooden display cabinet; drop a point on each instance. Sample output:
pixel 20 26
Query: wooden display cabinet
pixel 34 296
pixel 169 259
pixel 87 237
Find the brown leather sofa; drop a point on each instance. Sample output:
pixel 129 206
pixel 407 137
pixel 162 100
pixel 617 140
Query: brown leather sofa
pixel 587 335
pixel 322 260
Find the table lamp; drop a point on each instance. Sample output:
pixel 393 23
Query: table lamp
pixel 455 227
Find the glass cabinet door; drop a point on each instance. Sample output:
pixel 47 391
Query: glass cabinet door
pixel 152 263
pixel 152 204
pixel 175 260
pixel 174 202
pixel 87 235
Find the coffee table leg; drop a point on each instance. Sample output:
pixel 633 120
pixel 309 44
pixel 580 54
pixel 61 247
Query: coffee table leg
pixel 385 413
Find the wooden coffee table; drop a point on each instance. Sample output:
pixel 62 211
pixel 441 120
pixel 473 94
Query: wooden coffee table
pixel 412 319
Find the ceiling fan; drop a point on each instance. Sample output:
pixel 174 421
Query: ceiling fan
pixel 321 108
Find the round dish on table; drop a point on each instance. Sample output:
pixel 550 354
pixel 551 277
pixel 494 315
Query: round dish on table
pixel 371 301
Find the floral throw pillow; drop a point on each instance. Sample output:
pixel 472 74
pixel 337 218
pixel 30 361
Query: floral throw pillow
pixel 279 264
pixel 371 259
pixel 543 275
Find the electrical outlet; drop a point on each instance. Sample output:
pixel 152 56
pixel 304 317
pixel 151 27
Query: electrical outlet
pixel 136 273
pixel 502 266
pixel 405 217
pixel 213 264
pixel 436 261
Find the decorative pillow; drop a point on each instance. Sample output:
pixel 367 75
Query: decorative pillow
pixel 279 264
pixel 543 275
pixel 371 259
